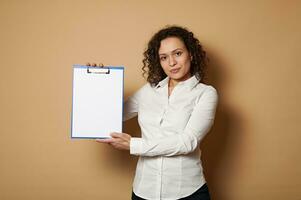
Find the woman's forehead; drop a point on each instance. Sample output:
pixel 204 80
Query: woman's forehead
pixel 170 44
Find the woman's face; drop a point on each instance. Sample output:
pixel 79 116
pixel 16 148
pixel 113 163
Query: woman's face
pixel 175 59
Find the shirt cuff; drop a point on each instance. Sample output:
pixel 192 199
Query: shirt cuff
pixel 135 146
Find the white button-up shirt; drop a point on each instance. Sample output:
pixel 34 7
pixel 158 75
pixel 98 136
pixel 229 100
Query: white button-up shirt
pixel 172 127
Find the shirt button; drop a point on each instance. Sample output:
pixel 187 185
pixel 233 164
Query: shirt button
pixel 161 120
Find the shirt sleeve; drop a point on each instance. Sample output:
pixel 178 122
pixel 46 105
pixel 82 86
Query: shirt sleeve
pixel 130 106
pixel 199 124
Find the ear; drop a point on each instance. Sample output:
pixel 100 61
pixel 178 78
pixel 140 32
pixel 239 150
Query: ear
pixel 191 57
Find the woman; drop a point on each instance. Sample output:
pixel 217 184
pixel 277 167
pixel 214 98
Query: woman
pixel 175 111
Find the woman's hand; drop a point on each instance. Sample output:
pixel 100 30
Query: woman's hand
pixel 119 141
pixel 94 65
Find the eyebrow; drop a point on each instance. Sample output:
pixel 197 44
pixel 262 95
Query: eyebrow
pixel 171 51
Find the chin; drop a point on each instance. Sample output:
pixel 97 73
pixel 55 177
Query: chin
pixel 176 76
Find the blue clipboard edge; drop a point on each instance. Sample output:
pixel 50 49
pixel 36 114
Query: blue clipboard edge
pixel 105 67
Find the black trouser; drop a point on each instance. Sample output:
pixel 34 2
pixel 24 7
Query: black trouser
pixel 200 194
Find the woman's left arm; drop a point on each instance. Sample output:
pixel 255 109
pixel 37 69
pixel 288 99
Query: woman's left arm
pixel 198 126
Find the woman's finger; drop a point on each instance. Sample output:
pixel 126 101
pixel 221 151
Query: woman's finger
pixel 115 135
pixel 109 140
pixel 94 64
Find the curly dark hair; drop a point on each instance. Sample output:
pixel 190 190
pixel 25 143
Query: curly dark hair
pixel 151 62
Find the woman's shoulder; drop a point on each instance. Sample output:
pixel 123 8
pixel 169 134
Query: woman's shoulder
pixel 142 89
pixel 206 92
pixel 145 87
pixel 205 88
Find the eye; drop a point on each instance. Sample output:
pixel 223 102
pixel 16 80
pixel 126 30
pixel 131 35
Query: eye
pixel 163 58
pixel 179 53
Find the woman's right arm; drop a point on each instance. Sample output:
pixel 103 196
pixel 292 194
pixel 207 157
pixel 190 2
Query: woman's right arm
pixel 130 107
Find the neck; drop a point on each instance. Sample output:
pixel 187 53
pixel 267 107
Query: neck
pixel 172 82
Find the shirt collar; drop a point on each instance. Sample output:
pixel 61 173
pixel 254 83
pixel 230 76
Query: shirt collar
pixel 191 82
pixel 163 82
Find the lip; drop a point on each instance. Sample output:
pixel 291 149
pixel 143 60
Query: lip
pixel 175 70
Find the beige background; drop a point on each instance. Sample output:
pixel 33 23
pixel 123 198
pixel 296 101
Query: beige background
pixel 254 47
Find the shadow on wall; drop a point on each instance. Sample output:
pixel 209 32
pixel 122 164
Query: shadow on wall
pixel 222 143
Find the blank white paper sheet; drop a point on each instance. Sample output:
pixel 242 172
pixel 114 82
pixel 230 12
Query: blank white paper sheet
pixel 97 104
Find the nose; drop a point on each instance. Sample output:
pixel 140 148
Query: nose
pixel 172 61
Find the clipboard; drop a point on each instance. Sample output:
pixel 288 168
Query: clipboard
pixel 97 101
